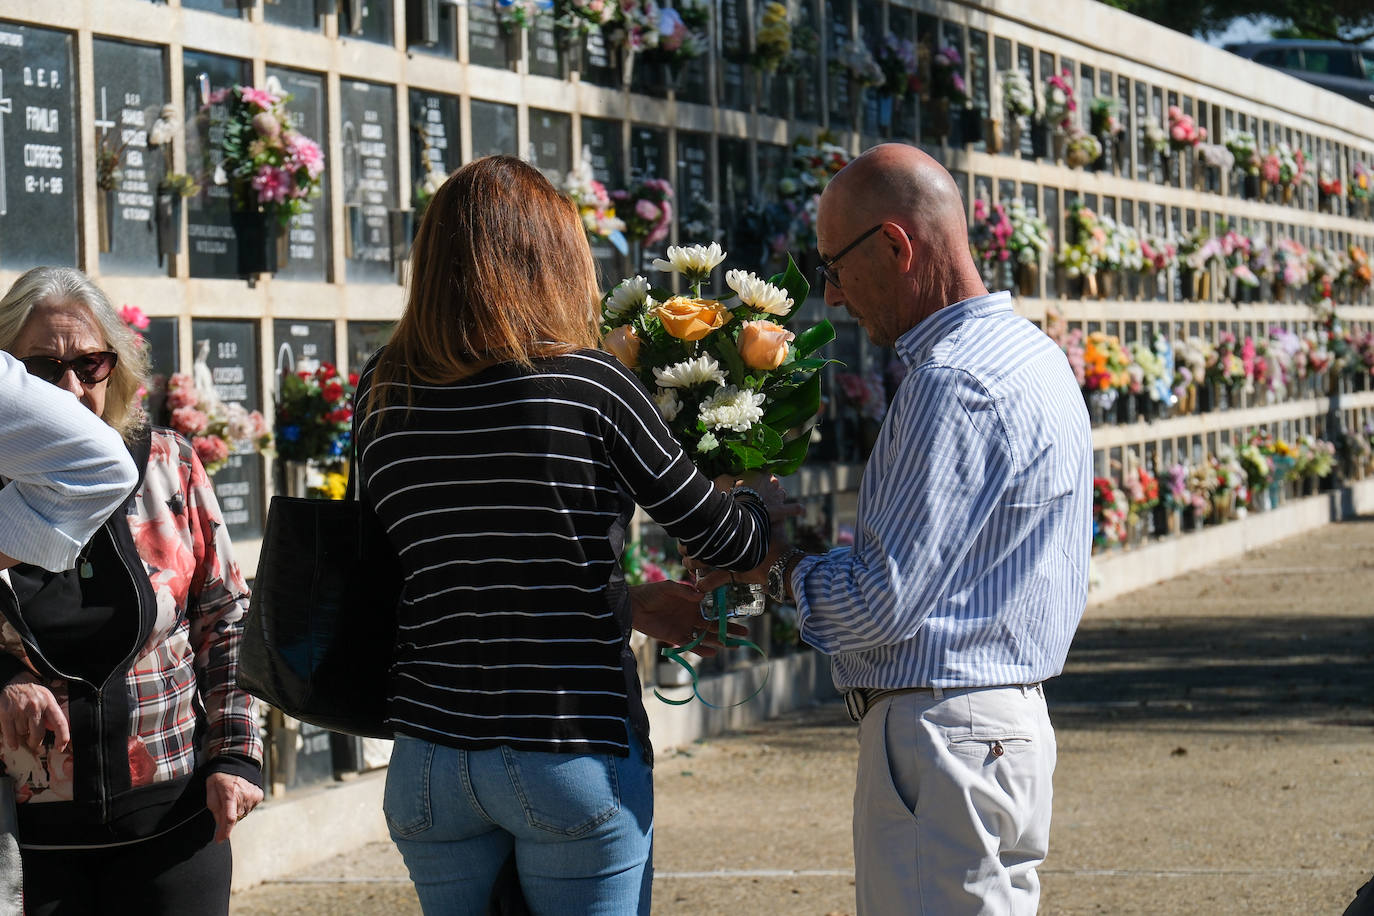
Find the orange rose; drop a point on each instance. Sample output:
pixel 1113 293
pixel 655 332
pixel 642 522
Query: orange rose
pixel 623 344
pixel 691 319
pixel 762 344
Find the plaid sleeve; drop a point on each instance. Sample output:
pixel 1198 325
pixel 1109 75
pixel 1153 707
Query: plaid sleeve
pixel 218 602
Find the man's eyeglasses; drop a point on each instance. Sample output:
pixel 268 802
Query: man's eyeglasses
pixel 89 368
pixel 825 274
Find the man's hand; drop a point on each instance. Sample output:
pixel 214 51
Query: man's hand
pixel 28 711
pixel 671 612
pixel 229 799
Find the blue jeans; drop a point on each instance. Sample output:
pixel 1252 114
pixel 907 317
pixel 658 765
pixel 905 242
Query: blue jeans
pixel 581 826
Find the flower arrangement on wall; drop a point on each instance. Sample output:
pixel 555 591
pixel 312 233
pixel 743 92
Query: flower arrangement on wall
pixel 947 77
pixel 856 61
pixel 594 204
pixel 215 429
pixel 773 39
pixel 314 415
pixel 646 208
pixel 522 14
pixel 1059 104
pixel 1184 133
pixel 897 59
pixel 267 164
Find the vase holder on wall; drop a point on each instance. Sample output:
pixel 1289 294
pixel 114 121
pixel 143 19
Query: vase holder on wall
pixel 257 234
pixel 168 215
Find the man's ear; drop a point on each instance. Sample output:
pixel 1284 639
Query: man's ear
pixel 900 244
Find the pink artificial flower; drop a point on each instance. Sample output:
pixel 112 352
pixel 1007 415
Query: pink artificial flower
pixel 303 153
pixel 647 211
pixel 211 450
pixel 133 316
pixel 272 184
pixel 262 99
pixel 188 421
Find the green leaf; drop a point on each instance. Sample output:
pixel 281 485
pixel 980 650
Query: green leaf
pixel 797 407
pixel 766 439
pixel 813 338
pixel 810 365
pixel 794 281
pixel 729 356
pixel 791 456
pixel 750 458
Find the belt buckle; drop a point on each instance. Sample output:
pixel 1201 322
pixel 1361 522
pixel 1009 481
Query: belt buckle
pixel 856 703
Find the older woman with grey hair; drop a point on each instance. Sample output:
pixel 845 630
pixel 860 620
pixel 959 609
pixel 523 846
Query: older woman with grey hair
pixel 132 750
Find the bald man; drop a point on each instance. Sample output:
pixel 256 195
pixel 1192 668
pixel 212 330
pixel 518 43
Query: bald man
pixel 969 569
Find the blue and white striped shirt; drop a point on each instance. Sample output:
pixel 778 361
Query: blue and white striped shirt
pixel 970 559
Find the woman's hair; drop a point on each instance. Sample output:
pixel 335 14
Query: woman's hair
pixel 500 272
pixel 48 286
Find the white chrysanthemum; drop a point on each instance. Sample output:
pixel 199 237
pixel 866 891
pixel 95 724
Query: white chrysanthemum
pixel 707 442
pixel 759 294
pixel 697 371
pixel 629 295
pixel 733 409
pixel 667 403
pixel 694 262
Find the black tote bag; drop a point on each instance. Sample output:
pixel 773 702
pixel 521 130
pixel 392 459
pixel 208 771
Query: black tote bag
pixel 321 627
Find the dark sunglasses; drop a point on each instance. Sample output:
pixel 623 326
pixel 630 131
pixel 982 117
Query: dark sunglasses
pixel 824 273
pixel 89 368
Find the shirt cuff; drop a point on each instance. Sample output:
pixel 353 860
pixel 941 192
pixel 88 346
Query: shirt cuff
pixel 236 765
pixel 30 538
pixel 798 583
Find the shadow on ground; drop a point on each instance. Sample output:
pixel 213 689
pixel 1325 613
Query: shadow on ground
pixel 1181 668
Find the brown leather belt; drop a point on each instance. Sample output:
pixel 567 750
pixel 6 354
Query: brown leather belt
pixel 859 700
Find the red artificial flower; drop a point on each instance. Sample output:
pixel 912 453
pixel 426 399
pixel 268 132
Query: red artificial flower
pixel 332 392
pixel 353 379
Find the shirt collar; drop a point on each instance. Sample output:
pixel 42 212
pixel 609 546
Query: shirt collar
pixel 915 345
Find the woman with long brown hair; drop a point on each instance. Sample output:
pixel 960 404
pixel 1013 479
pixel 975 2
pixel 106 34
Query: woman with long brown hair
pixel 504 454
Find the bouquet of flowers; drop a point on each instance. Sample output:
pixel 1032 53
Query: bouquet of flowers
pixel 947 76
pixel 1017 96
pixel 1159 253
pixel 855 60
pixel 1244 149
pixel 1104 122
pixel 990 235
pixel 1059 105
pixel 1358 276
pixel 1110 512
pixel 1106 363
pixel 897 59
pixel 1082 148
pixel 1328 182
pixel 1316 457
pixel 1191 356
pixel 593 202
pixel 737 389
pixel 1142 491
pixel 521 14
pixel 266 163
pixel 1283 166
pixel 643 564
pixel 682 31
pixel 646 209
pixel 1083 256
pixel 1235 253
pixel 315 414
pixel 1290 262
pixel 1157 139
pixel 1030 235
pixel 1257 465
pixel 864 393
pixel 1071 342
pixel 773 41
pixel 582 17
pixel 1176 495
pixel 216 429
pixel 1183 132
pixel 1216 156
pixel 1361 181
pixel 813 164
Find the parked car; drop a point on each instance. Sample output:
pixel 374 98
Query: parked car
pixel 1342 68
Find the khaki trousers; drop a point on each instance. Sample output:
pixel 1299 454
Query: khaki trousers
pixel 952 804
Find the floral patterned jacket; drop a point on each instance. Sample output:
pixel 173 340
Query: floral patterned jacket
pixel 145 738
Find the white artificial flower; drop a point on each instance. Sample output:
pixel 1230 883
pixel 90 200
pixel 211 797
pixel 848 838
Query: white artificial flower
pixel 759 294
pixel 629 295
pixel 667 403
pixel 220 176
pixel 733 409
pixel 697 371
pixel 707 442
pixel 694 262
pixel 164 129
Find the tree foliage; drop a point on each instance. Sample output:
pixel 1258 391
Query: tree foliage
pixel 1341 20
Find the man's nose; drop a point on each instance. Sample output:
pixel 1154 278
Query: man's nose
pixel 834 296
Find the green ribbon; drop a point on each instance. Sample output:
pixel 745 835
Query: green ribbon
pixel 730 642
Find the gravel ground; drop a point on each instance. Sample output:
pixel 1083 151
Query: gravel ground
pixel 1214 757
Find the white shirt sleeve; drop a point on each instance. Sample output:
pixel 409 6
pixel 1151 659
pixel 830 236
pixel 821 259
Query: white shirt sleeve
pixel 67 471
